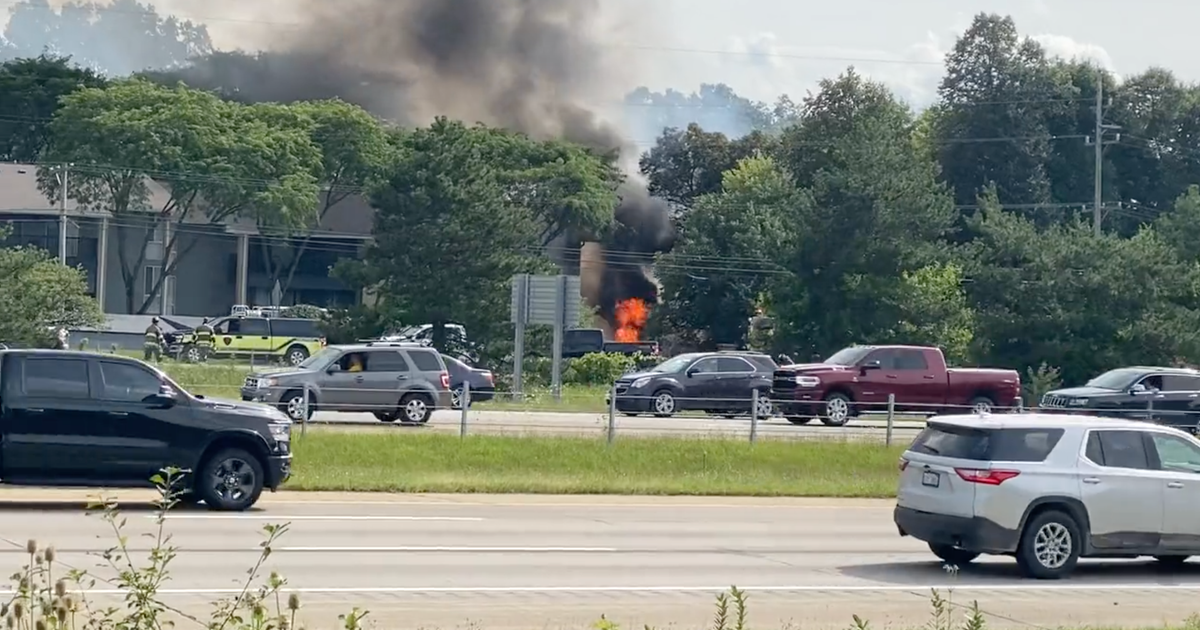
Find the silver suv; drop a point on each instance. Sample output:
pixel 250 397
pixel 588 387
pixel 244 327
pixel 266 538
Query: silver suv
pixel 1050 489
pixel 392 381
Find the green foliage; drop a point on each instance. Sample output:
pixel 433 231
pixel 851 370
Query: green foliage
pixel 598 368
pixel 40 295
pixel 934 310
pixel 30 90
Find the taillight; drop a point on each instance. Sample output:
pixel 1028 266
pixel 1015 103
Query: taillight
pixel 488 376
pixel 903 464
pixel 445 380
pixel 986 477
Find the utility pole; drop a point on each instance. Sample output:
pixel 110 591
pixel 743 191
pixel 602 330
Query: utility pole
pixel 1097 141
pixel 62 216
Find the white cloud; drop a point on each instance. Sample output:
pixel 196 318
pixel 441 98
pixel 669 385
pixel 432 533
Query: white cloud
pixel 1067 48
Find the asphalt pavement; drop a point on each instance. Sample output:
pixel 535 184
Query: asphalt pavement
pixel 596 424
pixel 476 561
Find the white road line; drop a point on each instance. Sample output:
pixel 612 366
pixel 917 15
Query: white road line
pixel 311 517
pixel 451 549
pixel 890 588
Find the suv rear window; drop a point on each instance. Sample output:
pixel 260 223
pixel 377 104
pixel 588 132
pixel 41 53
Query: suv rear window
pixel 1006 445
pixel 425 360
pixel 300 328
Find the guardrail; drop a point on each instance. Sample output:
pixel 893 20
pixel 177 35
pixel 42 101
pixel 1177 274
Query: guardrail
pixel 753 418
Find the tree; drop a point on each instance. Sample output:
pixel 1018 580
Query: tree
pixel 996 96
pixel 721 265
pixel 1064 297
pixel 117 38
pixel 215 160
pixel 30 90
pixel 41 294
pixel 934 310
pixel 686 163
pixel 878 211
pixel 454 224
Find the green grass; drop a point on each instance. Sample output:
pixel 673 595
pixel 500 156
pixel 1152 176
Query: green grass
pixel 407 462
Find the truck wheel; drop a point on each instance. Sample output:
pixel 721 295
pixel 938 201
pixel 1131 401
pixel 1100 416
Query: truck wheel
pixel 663 404
pixel 416 408
pixel 799 420
pixel 231 480
pixel 981 405
pixel 1050 546
pixel 297 355
pixel 837 410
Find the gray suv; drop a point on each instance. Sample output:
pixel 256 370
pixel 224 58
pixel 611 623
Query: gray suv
pixel 392 381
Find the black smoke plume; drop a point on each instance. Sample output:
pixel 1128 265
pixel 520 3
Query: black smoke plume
pixel 536 66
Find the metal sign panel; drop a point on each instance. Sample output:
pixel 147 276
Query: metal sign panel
pixel 544 301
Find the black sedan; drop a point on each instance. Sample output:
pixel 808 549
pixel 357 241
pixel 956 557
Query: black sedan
pixel 715 382
pixel 483 384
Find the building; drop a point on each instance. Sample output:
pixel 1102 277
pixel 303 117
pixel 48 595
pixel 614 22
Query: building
pixel 216 265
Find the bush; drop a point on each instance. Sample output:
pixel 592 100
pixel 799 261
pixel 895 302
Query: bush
pixel 598 368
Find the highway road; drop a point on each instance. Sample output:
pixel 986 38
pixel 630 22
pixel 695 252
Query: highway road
pixel 595 424
pixel 501 562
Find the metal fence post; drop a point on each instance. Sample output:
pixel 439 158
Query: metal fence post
pixel 1150 407
pixel 891 418
pixel 304 411
pixel 754 416
pixel 464 401
pixel 612 415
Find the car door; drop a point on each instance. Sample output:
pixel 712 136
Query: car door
pixel 1139 403
pixel 701 386
pixel 381 383
pixel 1178 459
pixel 1178 404
pixel 736 382
pixel 876 384
pixel 255 337
pixel 1123 494
pixel 338 386
pixel 139 434
pixel 54 428
pixel 916 387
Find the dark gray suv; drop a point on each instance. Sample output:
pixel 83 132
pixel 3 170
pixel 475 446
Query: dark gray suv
pixel 393 381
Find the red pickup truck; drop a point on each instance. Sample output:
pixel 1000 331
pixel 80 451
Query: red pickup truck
pixel 858 380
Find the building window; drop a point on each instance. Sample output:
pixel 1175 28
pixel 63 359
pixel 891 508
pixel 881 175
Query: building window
pixel 150 278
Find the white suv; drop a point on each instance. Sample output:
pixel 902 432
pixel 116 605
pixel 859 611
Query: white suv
pixel 1049 489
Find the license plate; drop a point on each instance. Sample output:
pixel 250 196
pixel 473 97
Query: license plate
pixel 930 478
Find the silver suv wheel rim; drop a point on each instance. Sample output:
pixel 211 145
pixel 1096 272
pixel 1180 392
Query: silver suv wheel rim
pixel 837 409
pixel 664 403
pixel 415 410
pixel 1052 545
pixel 295 408
pixel 297 358
pixel 456 398
pixel 982 407
pixel 764 408
pixel 193 355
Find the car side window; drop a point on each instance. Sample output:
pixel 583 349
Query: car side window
pixel 705 366
pixel 385 361
pixel 57 378
pixel 1181 383
pixel 424 360
pixel 1154 382
pixel 255 327
pixel 128 383
pixel 1120 449
pixel 910 360
pixel 1176 453
pixel 886 359
pixel 733 365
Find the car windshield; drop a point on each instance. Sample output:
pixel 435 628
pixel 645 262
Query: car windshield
pixel 320 359
pixel 1116 379
pixel 675 364
pixel 848 356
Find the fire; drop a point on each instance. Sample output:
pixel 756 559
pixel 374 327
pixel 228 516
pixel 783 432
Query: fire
pixel 631 318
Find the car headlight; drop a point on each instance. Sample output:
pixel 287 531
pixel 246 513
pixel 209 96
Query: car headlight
pixel 1078 402
pixel 281 432
pixel 807 381
pixel 267 383
pixel 641 382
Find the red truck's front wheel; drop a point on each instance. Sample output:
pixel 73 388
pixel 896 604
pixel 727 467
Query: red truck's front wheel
pixel 837 410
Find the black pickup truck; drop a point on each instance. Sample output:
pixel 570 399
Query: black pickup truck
pixel 1169 396
pixel 97 420
pixel 580 341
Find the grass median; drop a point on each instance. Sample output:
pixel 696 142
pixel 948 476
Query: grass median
pixel 407 462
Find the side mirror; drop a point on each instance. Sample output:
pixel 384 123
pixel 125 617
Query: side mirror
pixel 336 367
pixel 162 400
pixel 871 365
pixel 692 372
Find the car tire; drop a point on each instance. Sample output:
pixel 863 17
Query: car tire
pixel 1172 562
pixel 292 404
pixel 456 395
pixel 953 556
pixel 799 420
pixel 662 404
pixel 191 354
pixel 416 408
pixel 296 355
pixel 838 410
pixel 1050 546
pixel 982 404
pixel 766 409
pixel 230 481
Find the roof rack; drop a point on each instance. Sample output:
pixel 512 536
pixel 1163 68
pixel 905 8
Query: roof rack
pixel 394 344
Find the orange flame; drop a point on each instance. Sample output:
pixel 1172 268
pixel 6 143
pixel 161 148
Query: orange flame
pixel 631 318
